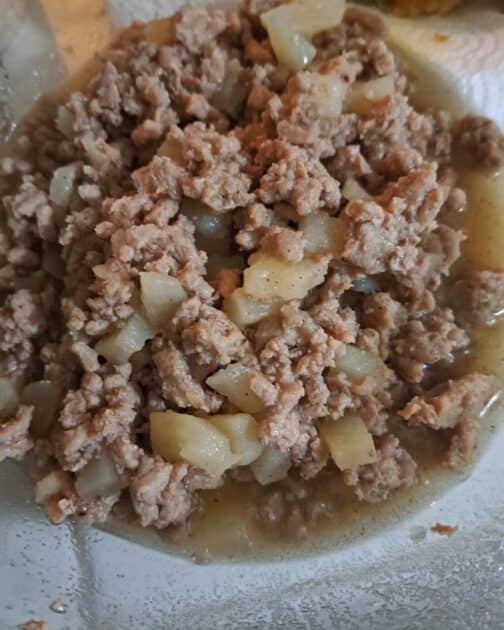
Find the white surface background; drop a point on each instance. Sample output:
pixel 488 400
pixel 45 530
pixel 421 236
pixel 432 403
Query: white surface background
pixel 385 581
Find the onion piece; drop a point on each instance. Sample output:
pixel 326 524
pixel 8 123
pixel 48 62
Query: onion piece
pixel 62 184
pixel 46 397
pixel 99 478
pixel 271 466
pixel 8 399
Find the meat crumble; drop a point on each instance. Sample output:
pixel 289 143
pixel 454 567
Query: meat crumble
pixel 220 262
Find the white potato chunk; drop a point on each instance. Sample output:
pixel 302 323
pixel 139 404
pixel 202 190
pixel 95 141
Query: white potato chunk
pixel 99 478
pixel 328 94
pixel 245 310
pixel 362 94
pixel 270 277
pixel 322 233
pixel 233 382
pixel 241 430
pixel 306 17
pixel 353 191
pixel 46 397
pixel 358 364
pixel 57 482
pixel 8 399
pixel 118 346
pixel 349 442
pixel 271 466
pixel 183 436
pixel 62 184
pixel 161 295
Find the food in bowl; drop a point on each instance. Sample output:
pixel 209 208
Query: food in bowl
pixel 234 255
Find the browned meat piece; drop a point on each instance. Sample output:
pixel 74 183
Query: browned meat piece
pixel 297 178
pixel 482 140
pixel 179 386
pixel 279 424
pixel 457 406
pixel 426 341
pixel 158 494
pixel 15 440
pixel 385 315
pixel 486 301
pixel 103 409
pixel 394 469
pixel 283 243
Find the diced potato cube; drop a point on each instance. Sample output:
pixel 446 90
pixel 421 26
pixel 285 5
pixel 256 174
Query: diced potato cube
pixel 118 346
pixel 241 430
pixel 196 440
pixel 349 442
pixel 358 364
pixel 306 17
pixel 62 184
pixel 270 277
pixel 353 191
pixel 57 482
pixel 99 478
pixel 161 295
pixel 233 382
pixel 271 466
pixel 328 94
pixel 8 399
pixel 322 233
pixel 362 94
pixel 245 310
pixel 46 397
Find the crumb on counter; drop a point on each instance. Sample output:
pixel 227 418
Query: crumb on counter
pixel 443 530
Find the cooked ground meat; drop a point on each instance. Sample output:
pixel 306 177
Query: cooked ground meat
pixel 482 140
pixel 123 358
